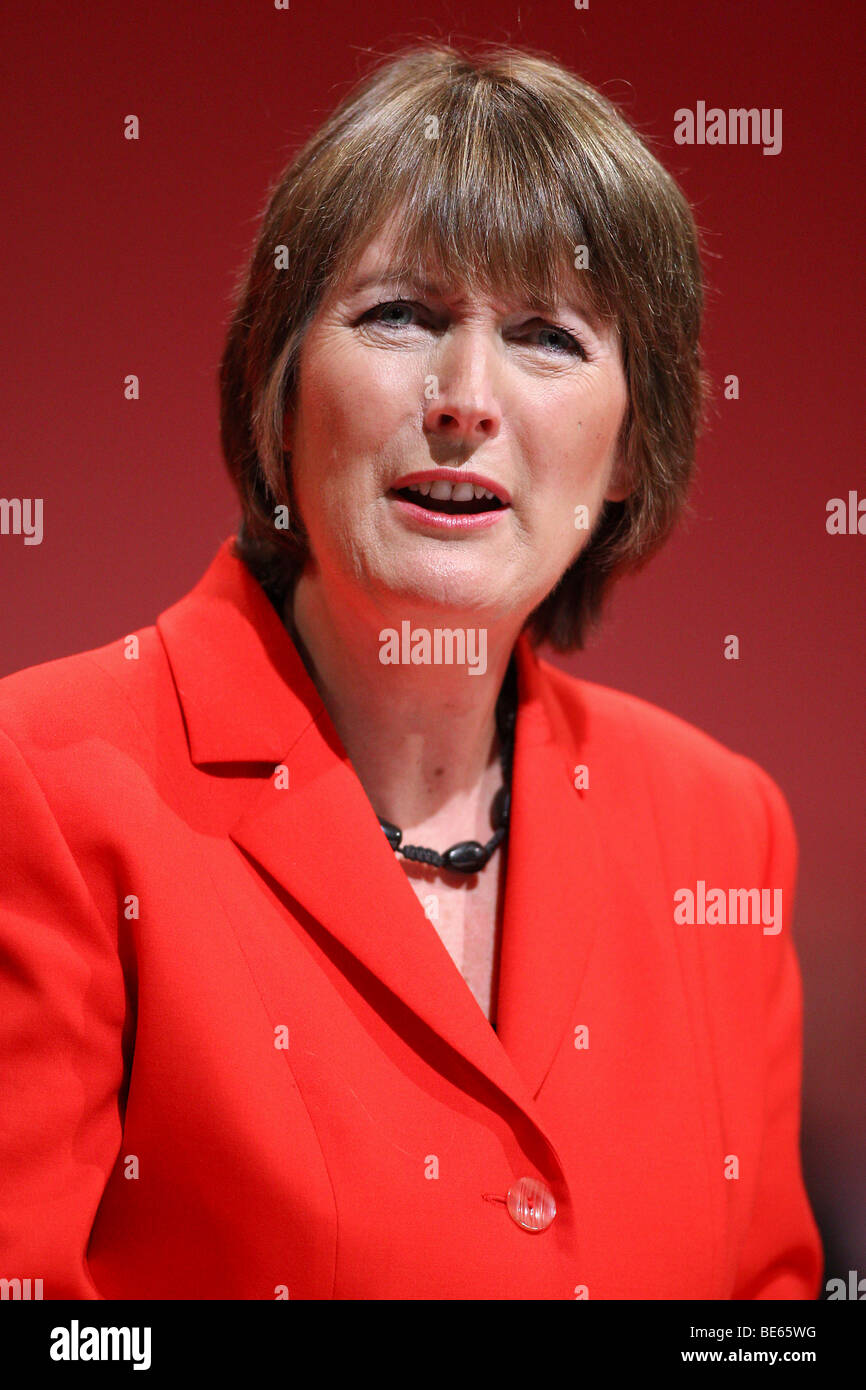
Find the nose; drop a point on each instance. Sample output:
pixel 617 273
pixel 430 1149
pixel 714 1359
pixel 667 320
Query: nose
pixel 464 406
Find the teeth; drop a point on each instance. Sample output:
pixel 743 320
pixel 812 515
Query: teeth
pixel 462 492
pixel 443 491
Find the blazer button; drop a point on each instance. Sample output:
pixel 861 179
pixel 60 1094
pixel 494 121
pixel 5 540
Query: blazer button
pixel 530 1203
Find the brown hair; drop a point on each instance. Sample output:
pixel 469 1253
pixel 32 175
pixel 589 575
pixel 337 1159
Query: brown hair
pixel 529 162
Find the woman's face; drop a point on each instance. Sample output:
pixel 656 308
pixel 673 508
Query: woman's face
pixel 443 382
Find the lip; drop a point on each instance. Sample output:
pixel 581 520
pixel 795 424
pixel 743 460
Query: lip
pixel 445 521
pixel 454 475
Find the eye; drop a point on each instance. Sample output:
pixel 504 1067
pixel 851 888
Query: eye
pixel 381 313
pixel 568 342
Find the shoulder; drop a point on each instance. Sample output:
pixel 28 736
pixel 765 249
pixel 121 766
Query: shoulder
pixel 86 749
pixel 104 695
pixel 685 771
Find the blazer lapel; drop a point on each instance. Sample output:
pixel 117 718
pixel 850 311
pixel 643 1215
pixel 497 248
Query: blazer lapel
pixel 555 895
pixel 247 698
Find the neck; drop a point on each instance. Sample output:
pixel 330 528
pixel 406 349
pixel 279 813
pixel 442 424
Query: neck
pixel 421 738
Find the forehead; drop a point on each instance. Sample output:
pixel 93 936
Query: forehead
pixel 378 263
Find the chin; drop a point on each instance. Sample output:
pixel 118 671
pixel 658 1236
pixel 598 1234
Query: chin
pixel 444 600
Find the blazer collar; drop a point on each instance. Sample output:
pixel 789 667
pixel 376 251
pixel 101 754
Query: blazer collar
pixel 243 688
pixel 246 697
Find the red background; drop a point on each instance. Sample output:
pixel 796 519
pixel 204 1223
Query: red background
pixel 120 257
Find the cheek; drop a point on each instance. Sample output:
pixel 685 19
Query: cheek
pixel 572 478
pixel 355 395
pixel 583 437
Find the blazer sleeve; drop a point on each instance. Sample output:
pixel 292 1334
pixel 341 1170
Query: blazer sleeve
pixel 782 1257
pixel 62 1009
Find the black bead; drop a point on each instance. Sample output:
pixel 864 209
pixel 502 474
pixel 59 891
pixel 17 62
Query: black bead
pixel 501 807
pixel 394 835
pixel 466 857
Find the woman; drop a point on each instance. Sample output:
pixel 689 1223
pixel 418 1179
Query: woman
pixel 351 950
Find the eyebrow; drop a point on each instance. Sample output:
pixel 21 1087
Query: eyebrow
pixel 432 289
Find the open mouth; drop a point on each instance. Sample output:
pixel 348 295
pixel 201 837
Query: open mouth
pixel 448 507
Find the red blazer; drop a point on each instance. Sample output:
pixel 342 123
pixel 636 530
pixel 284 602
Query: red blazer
pixel 239 1063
